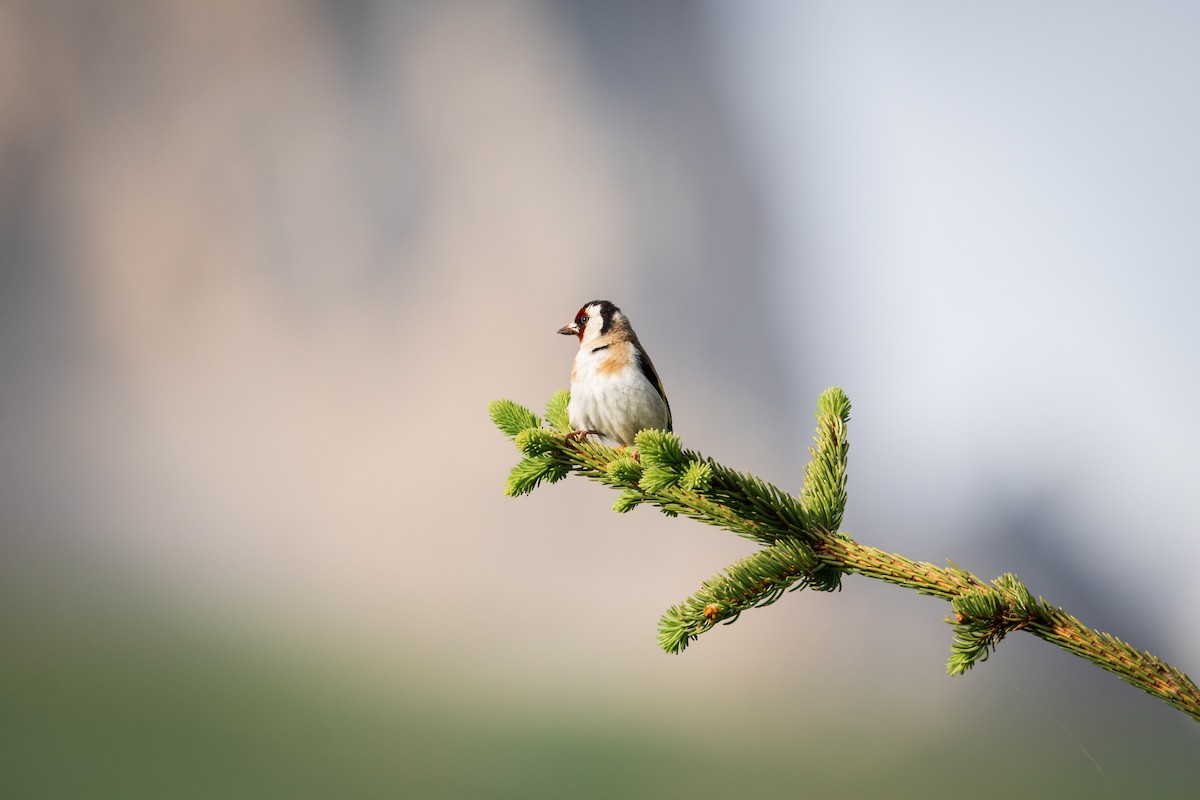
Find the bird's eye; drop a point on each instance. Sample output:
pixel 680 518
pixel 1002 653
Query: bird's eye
pixel 581 320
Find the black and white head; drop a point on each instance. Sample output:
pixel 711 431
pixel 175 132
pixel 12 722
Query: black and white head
pixel 597 320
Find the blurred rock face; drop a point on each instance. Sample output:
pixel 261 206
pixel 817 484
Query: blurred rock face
pixel 269 263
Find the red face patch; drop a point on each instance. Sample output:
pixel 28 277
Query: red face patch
pixel 581 320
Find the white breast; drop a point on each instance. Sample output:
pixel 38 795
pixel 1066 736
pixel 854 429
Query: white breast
pixel 617 403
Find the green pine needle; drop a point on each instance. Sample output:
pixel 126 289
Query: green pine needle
pixel 511 418
pixel 833 402
pixel 535 442
pixel 627 502
pixel 660 448
pixel 624 469
pixel 802 546
pixel 697 477
pixel 527 474
pixel 657 478
pixel 556 411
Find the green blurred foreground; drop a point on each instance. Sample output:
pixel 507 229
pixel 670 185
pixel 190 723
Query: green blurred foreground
pixel 105 697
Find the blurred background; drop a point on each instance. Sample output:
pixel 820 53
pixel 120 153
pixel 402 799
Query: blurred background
pixel 265 264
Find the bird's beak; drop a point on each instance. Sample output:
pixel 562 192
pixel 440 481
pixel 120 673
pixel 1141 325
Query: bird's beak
pixel 569 330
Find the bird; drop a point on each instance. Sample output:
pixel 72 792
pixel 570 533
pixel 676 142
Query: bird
pixel 615 390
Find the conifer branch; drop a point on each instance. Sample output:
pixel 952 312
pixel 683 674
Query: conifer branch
pixel 802 544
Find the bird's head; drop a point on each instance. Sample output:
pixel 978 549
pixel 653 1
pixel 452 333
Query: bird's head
pixel 594 320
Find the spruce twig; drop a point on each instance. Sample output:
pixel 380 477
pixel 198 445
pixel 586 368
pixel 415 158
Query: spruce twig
pixel 802 546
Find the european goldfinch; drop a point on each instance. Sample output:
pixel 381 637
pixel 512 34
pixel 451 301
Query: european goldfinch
pixel 615 391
